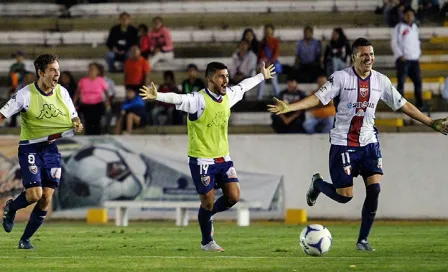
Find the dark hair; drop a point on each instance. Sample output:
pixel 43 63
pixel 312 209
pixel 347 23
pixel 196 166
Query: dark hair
pixel 212 67
pixel 143 27
pixel 291 77
pixel 157 18
pixel 248 30
pixel 42 62
pixel 169 74
pixel 98 66
pixel 192 66
pixel 269 26
pixel 308 27
pixel 360 42
pixel 124 14
pixel 408 9
pixel 340 31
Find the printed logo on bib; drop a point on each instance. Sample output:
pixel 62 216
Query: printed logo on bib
pixel 48 111
pixel 231 173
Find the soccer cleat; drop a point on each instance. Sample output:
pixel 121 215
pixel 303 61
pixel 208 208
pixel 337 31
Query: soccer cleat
pixel 363 245
pixel 8 217
pixel 313 192
pixel 25 244
pixel 212 246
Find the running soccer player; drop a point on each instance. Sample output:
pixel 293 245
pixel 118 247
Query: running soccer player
pixel 208 147
pixel 355 149
pixel 47 113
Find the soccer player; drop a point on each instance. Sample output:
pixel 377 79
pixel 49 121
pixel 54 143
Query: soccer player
pixel 208 148
pixel 355 149
pixel 47 113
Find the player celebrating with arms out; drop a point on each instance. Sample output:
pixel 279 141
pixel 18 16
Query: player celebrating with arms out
pixel 47 113
pixel 355 149
pixel 208 148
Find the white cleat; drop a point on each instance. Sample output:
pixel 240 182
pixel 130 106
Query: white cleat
pixel 212 246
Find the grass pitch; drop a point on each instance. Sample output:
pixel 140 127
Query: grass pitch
pixel 160 246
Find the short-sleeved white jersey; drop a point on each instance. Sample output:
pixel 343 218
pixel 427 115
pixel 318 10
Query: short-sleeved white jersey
pixel 356 100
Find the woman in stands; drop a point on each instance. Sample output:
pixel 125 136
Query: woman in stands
pixel 337 52
pixel 249 36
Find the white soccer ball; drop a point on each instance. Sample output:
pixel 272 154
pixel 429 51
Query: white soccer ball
pixel 315 240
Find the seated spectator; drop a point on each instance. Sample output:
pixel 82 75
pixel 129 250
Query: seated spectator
pixel 121 38
pixel 160 42
pixel 268 52
pixel 251 39
pixel 143 40
pixel 16 71
pixel 428 9
pixel 192 83
pixel 395 13
pixel 111 94
pixel 308 54
pixel 322 118
pixel 291 122
pixel 136 70
pixel 91 91
pixel 164 113
pixel 244 63
pixel 133 113
pixel 67 81
pixel 337 52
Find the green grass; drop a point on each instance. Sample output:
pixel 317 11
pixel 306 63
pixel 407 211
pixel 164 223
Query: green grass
pixel 160 246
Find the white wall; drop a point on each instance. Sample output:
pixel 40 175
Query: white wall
pixel 415 184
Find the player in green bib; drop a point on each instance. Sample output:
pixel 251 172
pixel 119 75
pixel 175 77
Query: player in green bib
pixel 208 147
pixel 47 113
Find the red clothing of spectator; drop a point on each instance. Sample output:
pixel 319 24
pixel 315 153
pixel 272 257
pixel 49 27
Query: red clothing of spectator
pixel 135 71
pixel 160 39
pixel 273 44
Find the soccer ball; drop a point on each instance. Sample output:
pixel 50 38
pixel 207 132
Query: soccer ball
pixel 315 240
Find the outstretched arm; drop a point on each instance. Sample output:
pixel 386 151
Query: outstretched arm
pixel 281 107
pixel 440 125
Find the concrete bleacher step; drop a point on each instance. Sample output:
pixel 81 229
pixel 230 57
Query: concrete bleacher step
pixel 434 66
pixel 439 39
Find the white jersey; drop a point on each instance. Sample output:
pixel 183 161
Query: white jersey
pixel 356 100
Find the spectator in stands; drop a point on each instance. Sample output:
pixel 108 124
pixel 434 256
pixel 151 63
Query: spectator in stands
pixel 110 94
pixel 322 118
pixel 160 42
pixel 91 90
pixel 291 122
pixel 395 12
pixel 337 52
pixel 244 63
pixel 406 47
pixel 136 70
pixel 192 83
pixel 163 113
pixel 268 52
pixel 428 8
pixel 68 81
pixel 17 71
pixel 143 40
pixel 28 78
pixel 121 38
pixel 133 113
pixel 249 36
pixel 308 57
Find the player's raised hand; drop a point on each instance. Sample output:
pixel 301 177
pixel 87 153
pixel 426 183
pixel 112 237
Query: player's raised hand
pixel 441 125
pixel 280 107
pixel 268 72
pixel 149 92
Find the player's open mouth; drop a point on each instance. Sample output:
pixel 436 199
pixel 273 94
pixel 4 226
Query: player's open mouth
pixel 55 81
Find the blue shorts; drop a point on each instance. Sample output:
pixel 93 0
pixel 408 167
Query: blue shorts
pixel 347 162
pixel 209 176
pixel 40 165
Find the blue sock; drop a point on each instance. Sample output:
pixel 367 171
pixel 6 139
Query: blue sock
pixel 204 218
pixel 221 204
pixel 329 190
pixel 369 210
pixel 36 219
pixel 19 203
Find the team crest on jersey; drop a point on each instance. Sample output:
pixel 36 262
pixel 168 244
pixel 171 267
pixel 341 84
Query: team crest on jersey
pixel 231 173
pixel 33 169
pixel 48 111
pixel 380 163
pixel 364 91
pixel 348 169
pixel 205 180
